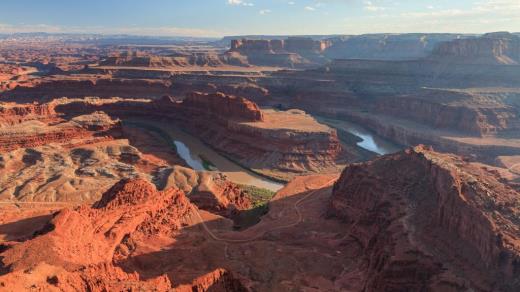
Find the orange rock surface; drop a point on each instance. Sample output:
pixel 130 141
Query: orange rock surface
pixel 431 221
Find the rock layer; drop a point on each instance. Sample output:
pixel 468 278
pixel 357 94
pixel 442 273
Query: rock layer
pixel 438 223
pixel 491 48
pixel 35 133
pixel 13 113
pixel 287 142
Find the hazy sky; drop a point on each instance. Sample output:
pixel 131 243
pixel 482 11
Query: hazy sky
pixel 230 17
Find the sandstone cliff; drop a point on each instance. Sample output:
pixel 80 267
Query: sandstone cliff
pixel 468 113
pixel 202 60
pixel 291 44
pixel 430 221
pixel 13 113
pixel 491 48
pixel 222 107
pixel 290 52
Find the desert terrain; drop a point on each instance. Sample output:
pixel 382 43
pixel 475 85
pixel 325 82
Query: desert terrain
pixel 382 162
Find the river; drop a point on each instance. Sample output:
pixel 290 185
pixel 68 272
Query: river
pixel 201 157
pixel 369 140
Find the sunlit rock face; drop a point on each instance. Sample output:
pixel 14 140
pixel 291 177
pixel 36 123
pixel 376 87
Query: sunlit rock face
pixel 435 213
pixel 491 48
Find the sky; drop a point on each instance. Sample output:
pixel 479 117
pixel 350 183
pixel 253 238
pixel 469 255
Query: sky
pixel 217 18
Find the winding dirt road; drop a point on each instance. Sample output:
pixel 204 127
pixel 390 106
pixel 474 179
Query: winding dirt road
pixel 261 234
pixel 513 170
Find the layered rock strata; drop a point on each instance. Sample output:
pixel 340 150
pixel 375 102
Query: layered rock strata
pixel 285 142
pixel 34 133
pixel 438 224
pixel 491 48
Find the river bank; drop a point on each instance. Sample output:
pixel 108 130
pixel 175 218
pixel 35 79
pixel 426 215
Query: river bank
pixel 201 157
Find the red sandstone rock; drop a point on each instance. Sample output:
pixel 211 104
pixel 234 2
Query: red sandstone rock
pixel 429 221
pixel 220 196
pixel 292 44
pixel 34 132
pixel 206 59
pixel 291 52
pixel 12 113
pixel 222 106
pixel 81 248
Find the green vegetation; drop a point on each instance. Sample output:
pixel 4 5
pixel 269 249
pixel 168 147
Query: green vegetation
pixel 208 165
pixel 259 196
pixel 259 199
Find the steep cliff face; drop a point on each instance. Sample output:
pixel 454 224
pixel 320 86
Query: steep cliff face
pixel 450 110
pixel 219 280
pixel 12 113
pixel 102 87
pixel 286 142
pixel 430 221
pixel 291 52
pixel 206 59
pixel 491 48
pixel 222 107
pixel 385 46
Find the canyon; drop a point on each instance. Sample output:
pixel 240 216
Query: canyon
pixel 384 162
pixel 383 230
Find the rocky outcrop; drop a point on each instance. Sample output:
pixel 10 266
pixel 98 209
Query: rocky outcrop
pixel 291 52
pixel 11 74
pixel 286 142
pixel 220 196
pixel 87 248
pixel 385 46
pixel 222 107
pixel 202 60
pixel 218 280
pixel 491 48
pixel 36 133
pixel 210 191
pixel 13 113
pixel 454 111
pixel 102 87
pixel 438 223
pixel 291 44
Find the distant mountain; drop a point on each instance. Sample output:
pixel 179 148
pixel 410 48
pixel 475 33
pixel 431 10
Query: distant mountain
pixel 226 41
pixel 368 46
pixel 106 39
pixel 387 46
